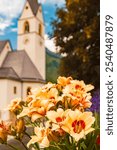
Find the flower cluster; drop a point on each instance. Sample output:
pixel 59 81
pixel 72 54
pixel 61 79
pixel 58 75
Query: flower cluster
pixel 57 112
pixel 4 131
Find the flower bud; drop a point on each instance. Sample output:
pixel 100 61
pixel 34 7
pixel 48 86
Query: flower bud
pixel 20 125
pixel 3 136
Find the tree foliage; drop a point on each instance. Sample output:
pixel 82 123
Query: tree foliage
pixel 77 33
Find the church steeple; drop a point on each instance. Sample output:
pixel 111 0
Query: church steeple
pixel 31 34
pixel 34 6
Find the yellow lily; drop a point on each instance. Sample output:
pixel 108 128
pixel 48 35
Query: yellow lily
pixel 40 137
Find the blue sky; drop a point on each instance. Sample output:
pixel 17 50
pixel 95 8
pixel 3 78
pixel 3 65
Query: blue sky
pixel 10 11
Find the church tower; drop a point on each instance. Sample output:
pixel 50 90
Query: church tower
pixel 31 34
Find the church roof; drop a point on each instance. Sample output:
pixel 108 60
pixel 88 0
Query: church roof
pixel 23 66
pixel 8 73
pixel 2 44
pixel 34 6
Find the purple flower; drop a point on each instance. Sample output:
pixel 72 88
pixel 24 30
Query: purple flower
pixel 95 102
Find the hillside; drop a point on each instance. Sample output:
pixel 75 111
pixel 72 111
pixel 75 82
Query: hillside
pixel 52 66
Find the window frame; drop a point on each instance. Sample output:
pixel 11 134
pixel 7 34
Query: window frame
pixel 26 27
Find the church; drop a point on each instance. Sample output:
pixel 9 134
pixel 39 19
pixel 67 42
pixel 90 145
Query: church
pixel 24 68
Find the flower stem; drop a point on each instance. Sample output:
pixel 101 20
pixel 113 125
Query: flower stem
pixel 36 146
pixel 56 146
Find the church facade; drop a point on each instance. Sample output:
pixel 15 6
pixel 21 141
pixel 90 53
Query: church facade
pixel 24 68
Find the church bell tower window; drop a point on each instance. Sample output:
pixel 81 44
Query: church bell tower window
pixel 40 29
pixel 26 27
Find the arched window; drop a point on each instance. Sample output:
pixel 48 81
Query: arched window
pixel 40 29
pixel 26 27
pixel 28 90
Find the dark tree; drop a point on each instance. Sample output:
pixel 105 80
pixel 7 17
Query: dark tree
pixel 77 33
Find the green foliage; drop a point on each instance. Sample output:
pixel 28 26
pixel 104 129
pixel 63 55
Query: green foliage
pixel 52 66
pixel 89 143
pixel 77 32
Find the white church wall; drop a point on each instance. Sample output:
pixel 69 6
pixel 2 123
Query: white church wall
pixel 33 43
pixel 32 23
pixel 40 14
pixel 13 90
pixel 7 94
pixel 3 93
pixel 26 11
pixel 27 85
pixel 24 44
pixel 4 53
pixel 41 43
pixel 40 60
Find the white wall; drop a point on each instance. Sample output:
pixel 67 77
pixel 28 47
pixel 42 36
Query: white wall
pixel 32 24
pixel 7 91
pixel 3 93
pixel 26 12
pixel 35 47
pixel 10 90
pixel 40 14
pixel 7 94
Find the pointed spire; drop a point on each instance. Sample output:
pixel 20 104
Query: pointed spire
pixel 34 6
